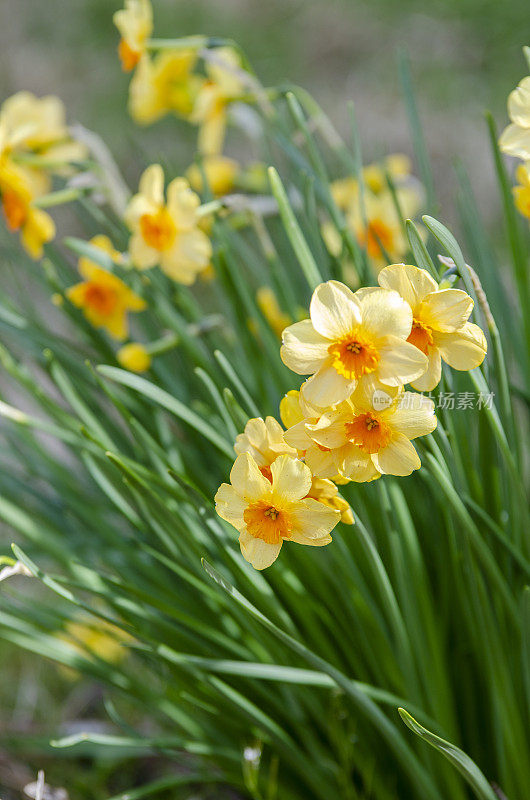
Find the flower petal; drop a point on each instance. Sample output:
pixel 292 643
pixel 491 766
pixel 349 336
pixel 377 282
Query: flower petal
pixel 410 282
pixel 446 310
pixel 322 463
pixel 326 387
pixel 397 458
pixel 291 480
pixel 464 349
pixel 413 416
pixel 303 349
pixel 385 313
pixel 142 256
pixel 152 184
pixel 257 552
pixel 247 480
pixel 313 522
pixel 519 104
pixel 356 465
pixel 230 506
pixel 515 141
pixel 334 310
pixel 430 378
pixel 400 362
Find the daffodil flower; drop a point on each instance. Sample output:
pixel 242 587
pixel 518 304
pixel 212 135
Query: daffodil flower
pixel 135 24
pixel 521 192
pixel 210 111
pixel 370 434
pixel 103 297
pixel 348 337
pixel 268 512
pixel 440 327
pixel 515 139
pixel 164 84
pixel 36 227
pixel 167 233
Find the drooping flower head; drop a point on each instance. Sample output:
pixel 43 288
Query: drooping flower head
pixel 223 86
pixel 268 512
pixel 220 172
pixel 134 357
pixel 521 192
pixel 515 139
pixel 135 24
pixel 348 337
pixel 103 297
pixel 35 226
pixel 167 232
pixel 370 434
pixel 165 84
pixel 440 327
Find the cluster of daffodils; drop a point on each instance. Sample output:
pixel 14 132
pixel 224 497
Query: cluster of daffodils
pixel 35 144
pixel 352 419
pixel 515 141
pixel 188 80
pixel 375 210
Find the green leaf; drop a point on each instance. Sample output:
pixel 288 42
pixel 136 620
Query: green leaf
pixel 457 757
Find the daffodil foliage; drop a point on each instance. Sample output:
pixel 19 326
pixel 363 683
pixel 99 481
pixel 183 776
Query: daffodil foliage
pixel 263 441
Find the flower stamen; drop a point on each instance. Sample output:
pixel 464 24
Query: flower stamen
pixel 354 356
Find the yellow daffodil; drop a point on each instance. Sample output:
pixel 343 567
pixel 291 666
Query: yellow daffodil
pixel 515 139
pixel 269 307
pixel 36 227
pixel 295 414
pixel 370 434
pixel 167 233
pixel 37 125
pixel 164 85
pixel 521 193
pixel 222 87
pixel 135 24
pixel 440 327
pixel 265 441
pixel 348 337
pixel 90 637
pixel 267 513
pixel 134 357
pixel 103 297
pixel 220 172
pixel 345 191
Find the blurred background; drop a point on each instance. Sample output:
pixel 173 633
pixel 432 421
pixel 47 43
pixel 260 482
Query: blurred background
pixel 465 57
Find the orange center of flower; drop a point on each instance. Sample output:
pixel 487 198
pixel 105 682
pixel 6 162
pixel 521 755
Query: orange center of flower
pixel 268 523
pixel 377 237
pixel 158 230
pixel 101 299
pixel 129 58
pixel 421 336
pixel 353 356
pixel 368 432
pixel 15 209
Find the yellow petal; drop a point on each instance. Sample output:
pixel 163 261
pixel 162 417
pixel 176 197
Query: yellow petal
pixel 446 310
pixel 313 522
pixel 515 141
pixel 385 313
pixel 152 184
pixel 334 310
pixel 413 415
pixel 290 411
pixel 142 256
pixel 411 283
pixel 303 349
pixel 322 463
pixel 465 349
pixel 257 552
pixel 230 506
pixel 356 465
pixel 400 362
pixel 291 479
pixel 247 480
pixel 326 387
pixel 397 458
pixel 519 104
pixel 431 377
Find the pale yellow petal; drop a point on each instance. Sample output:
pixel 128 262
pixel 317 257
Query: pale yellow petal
pixel 519 104
pixel 298 437
pixel 413 415
pixel 142 256
pixel 303 349
pixel 230 506
pixel 356 465
pixel 385 313
pixel 326 387
pixel 515 141
pixel 400 362
pixel 290 412
pixel 322 463
pixel 247 479
pixel 465 349
pixel 329 431
pixel 152 184
pixel 257 552
pixel 431 377
pixel 334 310
pixel 410 282
pixel 446 310
pixel 182 203
pixel 398 458
pixel 313 522
pixel 291 480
